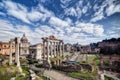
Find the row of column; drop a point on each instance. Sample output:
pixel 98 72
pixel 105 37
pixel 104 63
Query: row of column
pixel 52 49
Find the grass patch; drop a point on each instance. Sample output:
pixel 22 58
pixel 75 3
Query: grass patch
pixel 25 71
pixel 108 78
pixel 6 73
pixel 91 58
pixel 87 76
pixel 97 62
pixel 20 78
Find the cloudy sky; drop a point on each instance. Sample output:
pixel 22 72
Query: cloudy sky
pixel 82 21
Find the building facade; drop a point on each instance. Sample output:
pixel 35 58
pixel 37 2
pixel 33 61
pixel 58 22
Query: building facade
pixel 36 51
pixel 24 46
pixel 4 48
pixel 67 47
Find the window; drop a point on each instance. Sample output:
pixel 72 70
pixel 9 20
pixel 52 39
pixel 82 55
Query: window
pixel 25 51
pixel 4 45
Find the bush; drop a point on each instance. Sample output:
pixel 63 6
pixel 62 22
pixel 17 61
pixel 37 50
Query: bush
pixel 97 63
pixel 106 63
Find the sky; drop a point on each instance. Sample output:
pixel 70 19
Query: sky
pixel 82 21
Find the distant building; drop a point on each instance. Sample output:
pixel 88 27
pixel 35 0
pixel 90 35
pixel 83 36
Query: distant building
pixel 109 44
pixel 4 48
pixel 36 51
pixel 81 48
pixel 85 49
pixel 67 47
pixel 24 46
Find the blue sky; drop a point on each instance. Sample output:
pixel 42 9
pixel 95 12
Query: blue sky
pixel 82 21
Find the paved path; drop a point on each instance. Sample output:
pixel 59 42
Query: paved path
pixel 112 76
pixel 107 74
pixel 57 75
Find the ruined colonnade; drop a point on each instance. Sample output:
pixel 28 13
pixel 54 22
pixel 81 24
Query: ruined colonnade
pixel 52 48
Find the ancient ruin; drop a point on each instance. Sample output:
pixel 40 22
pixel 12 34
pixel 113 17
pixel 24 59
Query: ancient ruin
pixel 52 48
pixel 16 41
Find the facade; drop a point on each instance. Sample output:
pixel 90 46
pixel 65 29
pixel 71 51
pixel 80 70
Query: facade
pixel 85 49
pixel 67 47
pixel 24 46
pixel 4 48
pixel 36 51
pixel 52 48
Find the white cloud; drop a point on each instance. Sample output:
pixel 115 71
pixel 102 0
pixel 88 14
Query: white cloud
pixel 68 33
pixel 77 10
pixel 84 10
pixel 112 9
pixel 21 12
pixel 99 12
pixel 108 7
pixel 97 18
pixel 56 22
pixel 65 3
pixel 93 29
pixel 35 16
pixel 16 10
pixel 71 11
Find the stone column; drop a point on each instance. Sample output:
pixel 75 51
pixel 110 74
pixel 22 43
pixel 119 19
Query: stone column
pixel 62 49
pixel 17 41
pixel 55 49
pixel 58 49
pixel 16 50
pixel 43 50
pixel 10 52
pixel 47 50
pixel 51 49
pixel 17 54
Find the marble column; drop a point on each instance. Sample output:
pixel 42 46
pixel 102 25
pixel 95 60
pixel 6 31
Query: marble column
pixel 47 50
pixel 55 49
pixel 43 50
pixel 59 48
pixel 62 49
pixel 10 52
pixel 17 54
pixel 51 49
pixel 17 41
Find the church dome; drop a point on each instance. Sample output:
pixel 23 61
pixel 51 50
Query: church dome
pixel 24 39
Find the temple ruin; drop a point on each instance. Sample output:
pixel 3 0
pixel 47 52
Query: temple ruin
pixel 52 48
